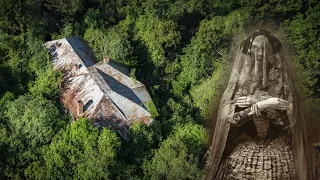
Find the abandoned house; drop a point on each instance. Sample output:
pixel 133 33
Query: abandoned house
pixel 102 92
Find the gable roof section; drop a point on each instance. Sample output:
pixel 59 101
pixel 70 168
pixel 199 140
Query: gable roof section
pixel 110 97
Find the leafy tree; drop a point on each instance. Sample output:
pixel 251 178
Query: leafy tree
pixel 4 133
pixel 183 111
pixel 113 43
pixel 7 97
pixel 46 84
pixel 177 157
pixel 32 122
pixel 104 13
pixel 140 142
pixel 18 15
pixel 68 10
pixel 206 49
pixel 302 33
pixel 178 49
pixel 46 80
pixel 206 95
pixel 68 29
pixel 78 152
pixel 164 36
pixel 93 19
pixel 15 63
pixel 136 151
pixel 185 12
pixel 5 78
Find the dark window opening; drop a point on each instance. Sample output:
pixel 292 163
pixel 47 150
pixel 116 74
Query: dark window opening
pixel 87 105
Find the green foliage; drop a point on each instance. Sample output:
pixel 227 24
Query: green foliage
pixel 79 152
pixel 140 143
pixel 206 49
pixel 152 109
pixel 33 119
pixel 178 49
pixel 269 11
pixel 177 157
pixel 68 9
pixel 46 84
pixel 164 36
pixel 18 15
pixel 303 33
pixel 278 9
pixel 47 80
pixel 92 18
pixel 69 29
pixel 186 12
pixel 107 12
pixel 183 111
pixel 7 97
pixel 14 64
pixel 207 94
pixel 31 124
pixel 112 43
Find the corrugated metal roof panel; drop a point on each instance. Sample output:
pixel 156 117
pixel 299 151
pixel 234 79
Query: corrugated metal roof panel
pixel 108 95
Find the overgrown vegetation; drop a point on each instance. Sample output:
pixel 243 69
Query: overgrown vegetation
pixel 179 49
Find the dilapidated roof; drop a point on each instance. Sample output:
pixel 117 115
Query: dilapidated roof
pixel 102 92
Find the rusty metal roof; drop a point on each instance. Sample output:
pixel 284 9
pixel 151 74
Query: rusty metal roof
pixel 111 98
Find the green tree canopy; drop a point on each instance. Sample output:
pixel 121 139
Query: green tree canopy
pixel 78 152
pixel 178 156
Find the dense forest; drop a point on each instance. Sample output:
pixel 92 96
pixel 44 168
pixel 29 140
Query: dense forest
pixel 180 49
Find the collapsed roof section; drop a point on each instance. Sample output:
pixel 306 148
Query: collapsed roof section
pixel 103 92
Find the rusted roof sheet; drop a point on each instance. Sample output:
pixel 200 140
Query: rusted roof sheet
pixel 110 97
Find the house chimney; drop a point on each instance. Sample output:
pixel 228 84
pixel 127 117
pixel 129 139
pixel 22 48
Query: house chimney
pixel 106 59
pixel 74 69
pixel 80 107
pixel 57 44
